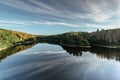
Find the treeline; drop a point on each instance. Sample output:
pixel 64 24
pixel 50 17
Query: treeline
pixel 106 37
pixel 103 38
pixel 71 38
pixel 8 37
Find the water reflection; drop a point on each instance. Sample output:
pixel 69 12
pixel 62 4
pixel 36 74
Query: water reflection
pixel 51 62
pixel 100 52
pixel 13 50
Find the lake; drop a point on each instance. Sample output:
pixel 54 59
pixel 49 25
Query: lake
pixel 53 62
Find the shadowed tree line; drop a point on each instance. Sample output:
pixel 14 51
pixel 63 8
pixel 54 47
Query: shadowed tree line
pixel 104 38
pixel 70 38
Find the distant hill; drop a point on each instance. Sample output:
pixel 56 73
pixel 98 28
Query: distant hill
pixel 8 37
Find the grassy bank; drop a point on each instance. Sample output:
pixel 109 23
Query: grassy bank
pixel 9 38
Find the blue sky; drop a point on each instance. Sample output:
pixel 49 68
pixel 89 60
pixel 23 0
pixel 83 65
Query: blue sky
pixel 59 16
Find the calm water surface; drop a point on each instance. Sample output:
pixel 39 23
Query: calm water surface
pixel 53 62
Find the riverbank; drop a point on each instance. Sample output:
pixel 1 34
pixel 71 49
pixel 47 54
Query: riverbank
pixel 102 46
pixel 91 46
pixel 18 44
pixel 3 48
pixel 75 46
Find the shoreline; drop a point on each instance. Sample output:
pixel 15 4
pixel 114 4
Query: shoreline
pixel 18 44
pixel 3 48
pixel 75 46
pixel 110 47
pixel 91 46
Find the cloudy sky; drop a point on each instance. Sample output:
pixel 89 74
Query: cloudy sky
pixel 59 16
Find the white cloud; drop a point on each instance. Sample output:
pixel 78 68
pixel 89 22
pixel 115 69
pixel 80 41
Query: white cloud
pixel 103 26
pixel 12 22
pixel 42 8
pixel 80 11
pixel 98 26
pixel 25 23
pixel 55 23
pixel 99 16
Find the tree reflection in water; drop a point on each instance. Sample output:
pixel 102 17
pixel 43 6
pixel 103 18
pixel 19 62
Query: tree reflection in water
pixel 100 52
pixel 13 50
pixel 75 51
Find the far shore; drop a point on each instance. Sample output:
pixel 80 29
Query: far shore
pixel 99 46
pixel 102 46
pixel 75 46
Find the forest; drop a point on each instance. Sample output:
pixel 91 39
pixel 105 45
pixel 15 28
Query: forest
pixel 106 37
pixel 70 38
pixel 100 37
pixel 75 39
